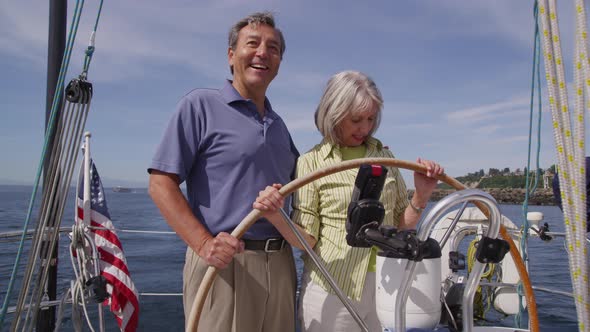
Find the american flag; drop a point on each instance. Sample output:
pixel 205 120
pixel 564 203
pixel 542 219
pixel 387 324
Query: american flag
pixel 123 299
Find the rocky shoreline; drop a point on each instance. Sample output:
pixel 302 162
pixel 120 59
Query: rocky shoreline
pixel 504 195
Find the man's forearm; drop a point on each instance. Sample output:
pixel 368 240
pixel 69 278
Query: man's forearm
pixel 175 209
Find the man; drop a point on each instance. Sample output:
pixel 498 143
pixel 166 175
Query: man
pixel 228 144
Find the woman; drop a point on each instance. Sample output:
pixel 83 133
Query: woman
pixel 347 117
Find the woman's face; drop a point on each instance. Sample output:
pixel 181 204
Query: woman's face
pixel 354 129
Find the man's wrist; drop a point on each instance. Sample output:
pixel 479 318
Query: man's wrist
pixel 202 243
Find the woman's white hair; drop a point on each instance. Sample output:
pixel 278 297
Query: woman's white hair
pixel 348 92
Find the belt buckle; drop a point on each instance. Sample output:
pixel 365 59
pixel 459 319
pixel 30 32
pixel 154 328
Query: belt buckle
pixel 267 245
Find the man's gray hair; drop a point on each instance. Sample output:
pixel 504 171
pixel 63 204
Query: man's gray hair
pixel 348 92
pixel 254 19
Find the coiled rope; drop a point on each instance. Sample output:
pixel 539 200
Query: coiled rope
pixel 479 309
pixel 80 265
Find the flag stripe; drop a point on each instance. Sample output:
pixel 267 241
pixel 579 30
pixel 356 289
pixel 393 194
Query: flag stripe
pixel 109 258
pixel 123 301
pixel 120 300
pixel 105 233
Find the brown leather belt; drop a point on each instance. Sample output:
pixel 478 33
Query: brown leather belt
pixel 268 245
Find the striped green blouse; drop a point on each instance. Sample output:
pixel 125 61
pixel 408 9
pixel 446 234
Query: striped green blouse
pixel 320 208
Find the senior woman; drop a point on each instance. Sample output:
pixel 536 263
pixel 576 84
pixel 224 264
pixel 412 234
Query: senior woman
pixel 347 116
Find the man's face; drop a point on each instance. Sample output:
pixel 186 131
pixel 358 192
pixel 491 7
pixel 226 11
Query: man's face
pixel 257 57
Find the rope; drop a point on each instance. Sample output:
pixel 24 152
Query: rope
pixel 479 308
pixel 570 150
pixel 80 244
pixel 60 310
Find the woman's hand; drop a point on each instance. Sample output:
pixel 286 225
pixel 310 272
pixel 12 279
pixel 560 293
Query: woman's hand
pixel 426 183
pixel 269 200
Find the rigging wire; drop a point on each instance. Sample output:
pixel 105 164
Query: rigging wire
pixel 530 189
pixel 62 164
pixel 50 127
pixel 90 49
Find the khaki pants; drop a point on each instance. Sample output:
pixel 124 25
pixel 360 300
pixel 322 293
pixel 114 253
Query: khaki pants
pixel 255 293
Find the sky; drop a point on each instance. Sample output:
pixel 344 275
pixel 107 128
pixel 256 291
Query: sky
pixel 455 75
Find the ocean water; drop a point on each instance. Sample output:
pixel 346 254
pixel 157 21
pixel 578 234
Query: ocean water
pixel 155 260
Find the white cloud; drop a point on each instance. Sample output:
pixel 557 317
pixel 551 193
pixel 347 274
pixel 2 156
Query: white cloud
pixel 484 112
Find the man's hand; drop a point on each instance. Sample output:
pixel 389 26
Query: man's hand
pixel 218 251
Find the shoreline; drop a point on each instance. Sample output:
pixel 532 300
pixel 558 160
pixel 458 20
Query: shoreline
pixel 503 195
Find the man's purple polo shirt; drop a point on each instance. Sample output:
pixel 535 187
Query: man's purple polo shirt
pixel 217 142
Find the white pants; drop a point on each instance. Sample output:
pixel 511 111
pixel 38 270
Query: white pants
pixel 321 311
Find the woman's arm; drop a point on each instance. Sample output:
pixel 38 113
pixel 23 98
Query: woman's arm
pixel 269 201
pixel 425 185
